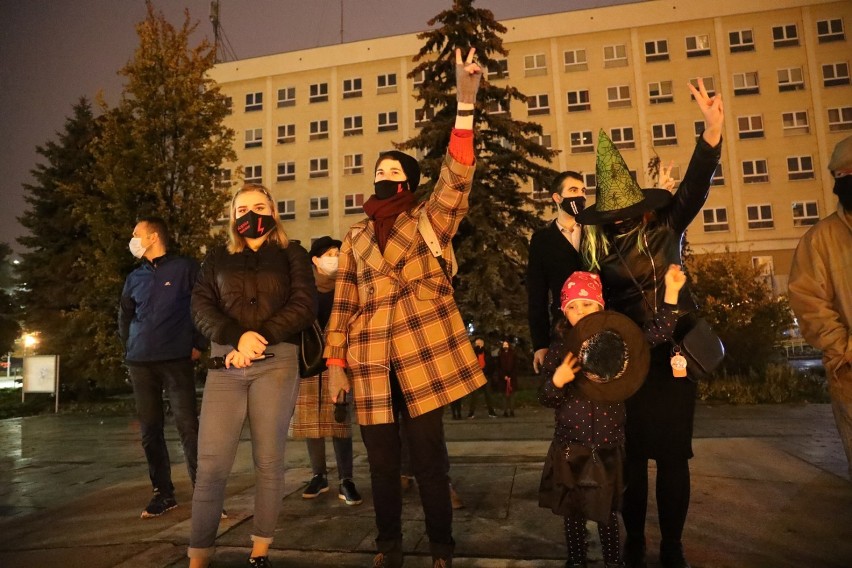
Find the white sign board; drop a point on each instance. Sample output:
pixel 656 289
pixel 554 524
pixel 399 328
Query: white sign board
pixel 40 373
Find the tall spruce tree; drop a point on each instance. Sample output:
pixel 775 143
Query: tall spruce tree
pixel 53 269
pixel 9 328
pixel 160 153
pixel 491 245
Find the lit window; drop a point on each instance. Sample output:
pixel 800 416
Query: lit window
pixel 715 219
pixel 286 97
pixel 750 126
pixel 805 213
pixel 709 86
pixel 830 30
pixel 319 129
pixel 498 69
pixel 286 171
pixel 286 133
pixel 622 137
pixel 318 93
pixel 800 167
pixel 388 121
pixel 795 122
pixel 535 65
pixel 253 174
pixel 615 56
pixel 353 204
pixel 386 83
pixel 697 46
pixel 581 142
pixel 785 36
pixel 790 79
pixel 760 216
pixel 660 92
pixel 287 210
pixel 657 50
pixel 755 171
pixel 353 164
pixel 618 96
pixel 352 88
pixel 538 104
pixel 575 60
pixel 839 118
pixel 663 134
pixel 318 207
pixel 318 167
pixel 741 40
pixel 353 125
pixel 835 74
pixel 254 101
pixel 254 138
pixel 578 101
pixel 746 83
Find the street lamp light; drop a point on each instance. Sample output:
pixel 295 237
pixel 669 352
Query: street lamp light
pixel 30 340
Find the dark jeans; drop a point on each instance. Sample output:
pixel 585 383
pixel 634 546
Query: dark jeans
pixel 342 454
pixel 179 382
pixel 425 436
pixel 483 390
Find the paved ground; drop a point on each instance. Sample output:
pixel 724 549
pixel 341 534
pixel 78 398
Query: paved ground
pixel 770 488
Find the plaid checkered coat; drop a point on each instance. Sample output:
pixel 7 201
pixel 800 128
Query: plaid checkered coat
pixel 398 309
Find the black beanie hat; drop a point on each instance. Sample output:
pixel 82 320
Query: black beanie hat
pixel 409 166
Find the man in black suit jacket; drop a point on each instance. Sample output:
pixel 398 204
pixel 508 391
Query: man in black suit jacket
pixel 554 255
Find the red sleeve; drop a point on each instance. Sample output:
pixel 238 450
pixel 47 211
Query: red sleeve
pixel 461 146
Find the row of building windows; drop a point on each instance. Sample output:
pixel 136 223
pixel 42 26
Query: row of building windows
pixel 759 216
pixel 662 134
pixel 613 56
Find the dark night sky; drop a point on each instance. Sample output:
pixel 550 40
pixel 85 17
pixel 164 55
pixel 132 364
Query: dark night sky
pixel 52 52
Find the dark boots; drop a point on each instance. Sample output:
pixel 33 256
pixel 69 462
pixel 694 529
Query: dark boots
pixel 634 553
pixel 671 555
pixel 389 554
pixel 442 554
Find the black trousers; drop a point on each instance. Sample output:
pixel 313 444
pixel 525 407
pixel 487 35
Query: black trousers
pixel 673 491
pixel 425 436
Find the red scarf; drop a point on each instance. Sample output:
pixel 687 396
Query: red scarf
pixel 384 212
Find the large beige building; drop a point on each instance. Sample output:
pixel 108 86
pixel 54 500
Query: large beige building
pixel 310 123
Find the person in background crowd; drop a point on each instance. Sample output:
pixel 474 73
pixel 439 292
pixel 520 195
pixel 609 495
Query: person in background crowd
pixel 313 418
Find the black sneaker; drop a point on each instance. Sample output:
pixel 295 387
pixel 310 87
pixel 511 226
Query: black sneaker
pixel 259 562
pixel 159 504
pixel 317 485
pixel 347 492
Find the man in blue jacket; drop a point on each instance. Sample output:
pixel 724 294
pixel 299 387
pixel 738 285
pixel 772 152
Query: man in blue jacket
pixel 160 345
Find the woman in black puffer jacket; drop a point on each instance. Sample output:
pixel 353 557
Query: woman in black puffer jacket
pixel 252 300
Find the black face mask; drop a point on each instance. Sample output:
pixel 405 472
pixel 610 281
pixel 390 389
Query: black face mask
pixel 477 349
pixel 617 229
pixel 843 189
pixel 388 188
pixel 573 205
pixel 253 226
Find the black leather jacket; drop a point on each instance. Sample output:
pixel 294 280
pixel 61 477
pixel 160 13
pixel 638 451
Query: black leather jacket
pixel 662 245
pixel 271 291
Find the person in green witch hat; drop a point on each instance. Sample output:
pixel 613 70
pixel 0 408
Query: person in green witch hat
pixel 633 236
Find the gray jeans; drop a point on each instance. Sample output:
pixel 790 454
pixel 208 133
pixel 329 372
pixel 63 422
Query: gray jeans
pixel 265 392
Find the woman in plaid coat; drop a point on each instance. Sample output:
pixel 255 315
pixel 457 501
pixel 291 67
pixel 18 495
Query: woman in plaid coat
pixel 396 338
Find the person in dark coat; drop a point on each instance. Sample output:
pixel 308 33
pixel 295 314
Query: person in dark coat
pixel 632 236
pixel 252 300
pixel 486 363
pixel 506 377
pixel 160 345
pixel 554 254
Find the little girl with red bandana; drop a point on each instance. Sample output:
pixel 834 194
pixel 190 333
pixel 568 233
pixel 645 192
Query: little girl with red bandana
pixel 582 477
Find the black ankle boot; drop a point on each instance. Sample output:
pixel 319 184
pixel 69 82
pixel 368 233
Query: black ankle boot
pixel 671 556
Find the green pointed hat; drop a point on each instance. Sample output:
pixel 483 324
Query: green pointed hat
pixel 619 197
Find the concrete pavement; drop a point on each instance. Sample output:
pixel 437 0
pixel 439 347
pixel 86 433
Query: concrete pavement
pixel 770 488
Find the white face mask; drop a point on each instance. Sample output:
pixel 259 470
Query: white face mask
pixel 328 264
pixel 136 248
